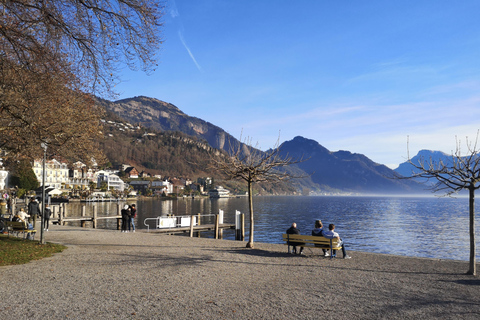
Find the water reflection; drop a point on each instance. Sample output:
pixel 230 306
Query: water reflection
pixel 423 227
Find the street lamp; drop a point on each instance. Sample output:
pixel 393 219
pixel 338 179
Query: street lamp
pixel 44 146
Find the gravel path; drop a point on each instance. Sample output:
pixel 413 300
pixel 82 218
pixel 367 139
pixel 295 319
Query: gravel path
pixel 112 275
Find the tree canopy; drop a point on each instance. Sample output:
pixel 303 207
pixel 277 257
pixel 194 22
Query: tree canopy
pixel 54 55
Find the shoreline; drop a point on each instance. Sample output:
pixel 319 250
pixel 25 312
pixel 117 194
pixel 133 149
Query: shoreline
pixel 109 274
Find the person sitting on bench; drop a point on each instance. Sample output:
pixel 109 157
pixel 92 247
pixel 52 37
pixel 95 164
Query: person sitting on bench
pixel 21 216
pixel 331 234
pixel 318 232
pixel 293 230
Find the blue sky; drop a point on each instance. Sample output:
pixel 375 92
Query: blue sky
pixel 353 75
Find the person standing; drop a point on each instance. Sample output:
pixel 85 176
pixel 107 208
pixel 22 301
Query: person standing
pixel 33 210
pixel 125 218
pixel 293 230
pixel 331 234
pixel 133 215
pixel 46 217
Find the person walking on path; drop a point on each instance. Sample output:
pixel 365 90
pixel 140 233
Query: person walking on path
pixel 46 216
pixel 293 230
pixel 33 210
pixel 133 215
pixel 318 232
pixel 331 234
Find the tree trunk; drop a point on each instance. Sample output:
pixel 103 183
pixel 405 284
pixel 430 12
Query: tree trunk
pixel 472 270
pixel 250 207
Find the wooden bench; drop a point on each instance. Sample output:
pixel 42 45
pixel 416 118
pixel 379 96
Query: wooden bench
pixel 312 242
pixel 17 227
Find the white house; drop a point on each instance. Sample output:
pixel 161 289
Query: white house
pixel 113 181
pixel 166 185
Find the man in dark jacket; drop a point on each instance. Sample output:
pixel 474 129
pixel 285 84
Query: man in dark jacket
pixel 33 210
pixel 293 230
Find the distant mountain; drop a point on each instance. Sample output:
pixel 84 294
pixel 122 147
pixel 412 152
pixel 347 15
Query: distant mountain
pixel 406 169
pixel 163 116
pixel 330 171
pixel 346 171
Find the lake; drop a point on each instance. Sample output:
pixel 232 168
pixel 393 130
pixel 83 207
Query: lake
pixel 420 227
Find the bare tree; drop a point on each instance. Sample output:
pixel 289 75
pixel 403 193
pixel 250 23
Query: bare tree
pixel 462 172
pixel 89 38
pixel 54 53
pixel 244 162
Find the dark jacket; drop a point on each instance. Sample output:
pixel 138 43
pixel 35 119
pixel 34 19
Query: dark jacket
pixel 293 230
pixel 48 213
pixel 33 209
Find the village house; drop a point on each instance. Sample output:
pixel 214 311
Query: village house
pixel 131 172
pixel 113 181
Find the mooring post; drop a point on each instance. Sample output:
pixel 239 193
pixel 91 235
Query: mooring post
pixel 216 226
pixel 61 215
pixel 243 227
pixel 220 222
pixel 238 225
pixel 198 224
pixel 94 220
pixel 119 213
pixel 83 222
pixel 192 221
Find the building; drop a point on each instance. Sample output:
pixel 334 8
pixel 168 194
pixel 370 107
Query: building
pixel 3 175
pixel 113 181
pixel 56 173
pixel 140 185
pixel 162 186
pixel 131 172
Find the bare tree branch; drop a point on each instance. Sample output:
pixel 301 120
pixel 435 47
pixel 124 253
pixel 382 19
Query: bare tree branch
pixel 244 162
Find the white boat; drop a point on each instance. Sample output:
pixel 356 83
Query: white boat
pixel 219 192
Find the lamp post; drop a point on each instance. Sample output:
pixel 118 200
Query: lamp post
pixel 44 146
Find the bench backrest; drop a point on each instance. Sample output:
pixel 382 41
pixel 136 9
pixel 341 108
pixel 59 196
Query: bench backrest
pixel 311 240
pixel 17 225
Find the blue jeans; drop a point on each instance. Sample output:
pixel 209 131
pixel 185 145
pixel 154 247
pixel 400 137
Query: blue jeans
pixel 131 223
pixel 334 252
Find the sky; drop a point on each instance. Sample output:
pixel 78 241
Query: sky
pixel 380 78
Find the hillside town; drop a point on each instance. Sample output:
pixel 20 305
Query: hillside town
pixel 79 181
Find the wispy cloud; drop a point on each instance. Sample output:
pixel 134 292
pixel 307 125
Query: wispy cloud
pixel 173 9
pixel 189 51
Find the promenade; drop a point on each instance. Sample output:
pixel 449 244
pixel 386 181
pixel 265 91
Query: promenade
pixel 106 274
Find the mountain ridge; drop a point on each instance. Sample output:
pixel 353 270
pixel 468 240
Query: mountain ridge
pixel 340 171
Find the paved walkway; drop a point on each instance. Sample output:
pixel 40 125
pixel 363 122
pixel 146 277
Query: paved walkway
pixel 112 275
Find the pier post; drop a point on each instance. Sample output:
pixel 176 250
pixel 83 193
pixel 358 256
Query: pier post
pixel 198 224
pixel 216 226
pixel 82 223
pixel 192 220
pixel 94 220
pixel 61 215
pixel 220 222
pixel 239 226
pixel 119 213
pixel 243 227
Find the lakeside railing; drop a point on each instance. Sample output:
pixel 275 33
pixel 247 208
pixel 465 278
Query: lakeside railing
pixel 196 223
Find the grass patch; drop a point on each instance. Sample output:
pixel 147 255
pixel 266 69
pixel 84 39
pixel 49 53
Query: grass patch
pixel 18 251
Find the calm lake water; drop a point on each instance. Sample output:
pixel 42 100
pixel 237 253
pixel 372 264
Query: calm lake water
pixel 420 227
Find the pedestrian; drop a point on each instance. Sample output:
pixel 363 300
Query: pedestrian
pixel 125 218
pixel 33 210
pixel 46 217
pixel 133 215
